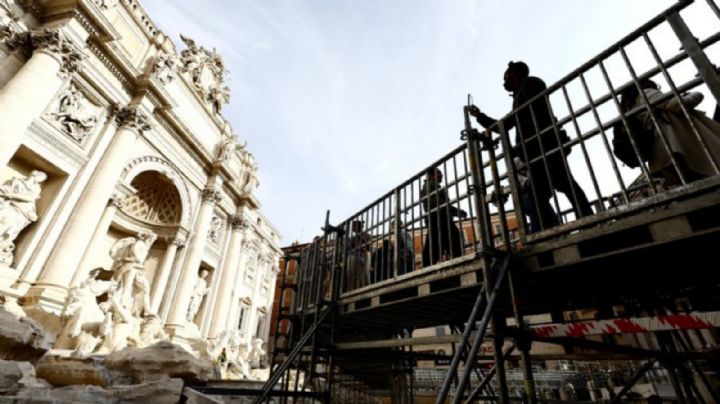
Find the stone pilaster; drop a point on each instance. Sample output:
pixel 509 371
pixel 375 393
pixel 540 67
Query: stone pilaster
pixel 189 273
pixel 230 268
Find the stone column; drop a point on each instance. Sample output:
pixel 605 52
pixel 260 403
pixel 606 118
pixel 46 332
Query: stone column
pixel 189 273
pixel 69 250
pixel 28 93
pixel 230 267
pixel 97 239
pixel 161 281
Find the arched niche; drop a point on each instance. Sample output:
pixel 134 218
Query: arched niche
pixel 168 172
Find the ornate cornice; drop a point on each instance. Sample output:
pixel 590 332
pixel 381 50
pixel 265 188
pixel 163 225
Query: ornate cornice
pixel 132 118
pixel 141 17
pixel 54 43
pixel 112 67
pixel 74 13
pixel 54 142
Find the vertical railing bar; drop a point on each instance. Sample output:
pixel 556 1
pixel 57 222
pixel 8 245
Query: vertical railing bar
pixel 373 244
pixel 531 180
pixel 448 213
pixel 603 136
pixel 420 219
pixel 513 180
pixel 690 44
pixel 471 206
pixel 583 147
pixel 430 225
pixel 714 7
pixel 458 205
pixel 382 256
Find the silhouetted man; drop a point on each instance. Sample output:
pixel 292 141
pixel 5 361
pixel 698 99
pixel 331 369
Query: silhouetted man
pixel 442 241
pixel 530 120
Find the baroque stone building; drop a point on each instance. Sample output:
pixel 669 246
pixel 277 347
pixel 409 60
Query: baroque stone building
pixel 115 159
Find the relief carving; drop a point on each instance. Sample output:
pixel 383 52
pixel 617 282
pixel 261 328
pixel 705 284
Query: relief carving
pixel 74 114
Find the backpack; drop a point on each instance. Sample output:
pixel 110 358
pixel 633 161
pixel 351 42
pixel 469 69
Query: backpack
pixel 622 147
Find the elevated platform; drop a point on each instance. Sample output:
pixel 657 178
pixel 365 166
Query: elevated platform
pixel 659 248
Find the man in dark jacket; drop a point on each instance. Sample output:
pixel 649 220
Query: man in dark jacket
pixel 541 153
pixel 442 240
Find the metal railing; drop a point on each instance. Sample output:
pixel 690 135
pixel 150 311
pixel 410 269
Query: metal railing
pixel 561 140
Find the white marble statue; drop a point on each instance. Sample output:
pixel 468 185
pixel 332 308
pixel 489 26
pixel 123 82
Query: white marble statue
pixel 129 255
pixel 238 365
pixel 257 356
pixel 248 176
pixel 227 148
pixel 83 317
pixel 218 96
pixel 199 291
pixel 121 326
pixel 230 352
pixel 17 210
pixel 124 317
pixel 163 66
pixel 151 332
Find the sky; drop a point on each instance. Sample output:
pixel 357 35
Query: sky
pixel 341 100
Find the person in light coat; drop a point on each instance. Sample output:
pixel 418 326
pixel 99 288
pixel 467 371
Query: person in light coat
pixel 691 157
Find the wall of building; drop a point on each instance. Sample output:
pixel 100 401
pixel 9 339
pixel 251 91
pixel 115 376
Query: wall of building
pixel 100 96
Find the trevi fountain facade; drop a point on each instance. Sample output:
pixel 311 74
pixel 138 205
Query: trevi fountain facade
pixel 130 233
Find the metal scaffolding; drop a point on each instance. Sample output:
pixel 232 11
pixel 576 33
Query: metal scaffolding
pixel 461 254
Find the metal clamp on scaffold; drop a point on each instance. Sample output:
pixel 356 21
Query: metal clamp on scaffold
pixel 333 229
pixel 498 199
pixel 486 141
pixel 472 189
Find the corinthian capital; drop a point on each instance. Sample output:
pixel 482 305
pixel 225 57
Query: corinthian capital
pixel 117 200
pixel 211 196
pixel 56 44
pixel 238 223
pixel 132 118
pixel 178 240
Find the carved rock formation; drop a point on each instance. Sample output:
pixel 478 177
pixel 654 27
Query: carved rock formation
pixel 21 338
